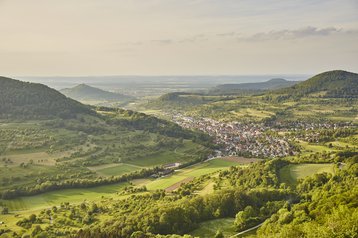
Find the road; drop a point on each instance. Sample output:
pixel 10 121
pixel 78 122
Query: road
pixel 245 231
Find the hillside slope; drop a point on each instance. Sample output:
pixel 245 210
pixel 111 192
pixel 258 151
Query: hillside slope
pixel 336 83
pixel 275 83
pixel 23 100
pixel 84 92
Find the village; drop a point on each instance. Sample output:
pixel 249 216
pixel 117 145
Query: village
pixel 235 138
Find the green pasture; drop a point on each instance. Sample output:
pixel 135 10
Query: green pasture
pixel 17 175
pixel 291 173
pixel 194 171
pixel 252 112
pixel 118 170
pixel 184 153
pixel 80 194
pixel 343 144
pixel 307 147
pixel 209 228
pixel 55 198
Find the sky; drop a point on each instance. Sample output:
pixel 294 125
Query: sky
pixel 177 37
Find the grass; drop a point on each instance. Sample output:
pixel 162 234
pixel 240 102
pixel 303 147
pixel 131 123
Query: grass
pixel 309 148
pixel 342 144
pixel 78 195
pixel 24 176
pixel 159 158
pixel 291 173
pixel 194 171
pixel 55 198
pixel 42 158
pixel 208 188
pixel 25 206
pixel 209 228
pixel 251 112
pixel 180 154
pixel 117 170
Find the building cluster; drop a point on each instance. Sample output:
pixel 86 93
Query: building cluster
pixel 237 138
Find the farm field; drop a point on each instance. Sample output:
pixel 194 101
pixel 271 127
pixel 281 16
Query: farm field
pixel 209 228
pixel 191 172
pixel 79 195
pixel 24 206
pixel 254 113
pixel 309 148
pixel 114 169
pixel 343 144
pixel 291 173
pixel 179 154
pixel 55 198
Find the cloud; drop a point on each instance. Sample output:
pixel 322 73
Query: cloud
pixel 227 34
pixel 296 34
pixel 163 41
pixel 193 39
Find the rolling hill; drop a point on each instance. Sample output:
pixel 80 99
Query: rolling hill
pixel 275 83
pixel 336 84
pixel 84 92
pixel 23 100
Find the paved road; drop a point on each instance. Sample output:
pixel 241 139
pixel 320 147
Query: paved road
pixel 250 229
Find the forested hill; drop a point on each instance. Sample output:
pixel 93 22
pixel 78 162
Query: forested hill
pixel 86 92
pixel 275 83
pixel 336 83
pixel 23 100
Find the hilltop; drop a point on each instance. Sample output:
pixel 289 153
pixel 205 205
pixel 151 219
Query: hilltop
pixel 275 83
pixel 317 98
pixel 84 92
pixel 336 84
pixel 23 100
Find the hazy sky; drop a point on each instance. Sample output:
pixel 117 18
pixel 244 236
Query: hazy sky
pixel 182 37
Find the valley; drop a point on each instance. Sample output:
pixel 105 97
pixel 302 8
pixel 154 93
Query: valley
pixel 193 165
pixel 178 119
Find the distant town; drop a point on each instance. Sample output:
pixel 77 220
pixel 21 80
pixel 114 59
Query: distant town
pixel 235 138
pixel 256 139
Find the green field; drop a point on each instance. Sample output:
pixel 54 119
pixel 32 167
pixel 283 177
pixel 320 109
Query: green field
pixel 209 228
pixel 118 170
pixel 291 173
pixel 53 198
pixel 309 148
pixel 78 195
pixel 184 153
pixel 194 171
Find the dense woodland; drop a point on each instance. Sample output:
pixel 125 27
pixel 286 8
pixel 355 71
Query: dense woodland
pixel 83 92
pixel 20 100
pixel 335 84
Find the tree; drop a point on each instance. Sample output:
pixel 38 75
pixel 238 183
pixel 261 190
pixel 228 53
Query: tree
pixel 219 234
pixel 4 211
pixel 37 229
pixel 244 219
pixel 32 218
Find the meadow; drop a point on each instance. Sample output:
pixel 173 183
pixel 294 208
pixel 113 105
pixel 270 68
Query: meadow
pixel 208 229
pixel 24 206
pixel 291 173
pixel 114 169
pixel 78 195
pixel 32 154
pixel 55 198
pixel 197 170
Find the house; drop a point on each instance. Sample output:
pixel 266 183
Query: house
pixel 172 166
